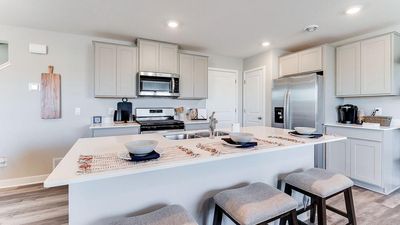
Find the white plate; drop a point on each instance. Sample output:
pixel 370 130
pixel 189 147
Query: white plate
pixel 305 130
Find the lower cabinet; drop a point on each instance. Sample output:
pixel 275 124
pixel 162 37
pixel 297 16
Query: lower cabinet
pixel 104 132
pixel 196 126
pixel 338 157
pixel 365 162
pixel 369 157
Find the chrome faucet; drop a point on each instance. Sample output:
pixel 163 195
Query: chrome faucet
pixel 212 124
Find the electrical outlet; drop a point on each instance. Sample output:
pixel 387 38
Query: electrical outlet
pixel 3 161
pixel 378 111
pixel 77 111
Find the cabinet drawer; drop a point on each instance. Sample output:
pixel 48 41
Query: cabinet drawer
pixel 356 133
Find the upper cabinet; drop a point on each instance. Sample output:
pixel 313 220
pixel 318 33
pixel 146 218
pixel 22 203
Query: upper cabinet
pixel 348 69
pixel 115 70
pixel 369 67
pixel 193 71
pixel 309 60
pixel 288 64
pixel 157 56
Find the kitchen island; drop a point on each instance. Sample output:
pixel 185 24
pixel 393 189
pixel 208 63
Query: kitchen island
pixel 189 172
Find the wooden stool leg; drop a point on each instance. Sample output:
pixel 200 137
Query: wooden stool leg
pixel 321 209
pixel 351 214
pixel 217 215
pixel 288 190
pixel 313 210
pixel 293 218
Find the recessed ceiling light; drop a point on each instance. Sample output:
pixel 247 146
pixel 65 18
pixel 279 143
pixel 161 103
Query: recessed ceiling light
pixel 173 24
pixel 311 28
pixel 265 44
pixel 353 10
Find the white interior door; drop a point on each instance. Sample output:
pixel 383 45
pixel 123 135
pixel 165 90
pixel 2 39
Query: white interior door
pixel 223 96
pixel 254 97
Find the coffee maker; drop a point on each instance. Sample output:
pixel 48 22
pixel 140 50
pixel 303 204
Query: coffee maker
pixel 347 114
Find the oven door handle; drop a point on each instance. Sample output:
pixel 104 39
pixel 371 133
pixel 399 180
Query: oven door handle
pixel 172 90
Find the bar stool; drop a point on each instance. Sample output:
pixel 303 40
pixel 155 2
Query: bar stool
pixel 256 203
pixel 321 185
pixel 168 215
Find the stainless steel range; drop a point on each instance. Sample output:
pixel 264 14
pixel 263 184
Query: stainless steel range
pixel 158 120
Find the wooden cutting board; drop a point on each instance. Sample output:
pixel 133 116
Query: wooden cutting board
pixel 51 95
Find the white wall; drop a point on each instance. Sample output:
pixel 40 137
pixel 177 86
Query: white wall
pixel 31 143
pixel 269 60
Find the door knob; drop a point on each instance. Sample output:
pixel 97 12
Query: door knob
pixel 259 118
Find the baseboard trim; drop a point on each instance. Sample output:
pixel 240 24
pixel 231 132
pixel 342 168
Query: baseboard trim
pixel 6 183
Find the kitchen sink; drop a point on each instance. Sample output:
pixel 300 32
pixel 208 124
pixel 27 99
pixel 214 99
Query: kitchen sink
pixel 179 136
pixel 184 136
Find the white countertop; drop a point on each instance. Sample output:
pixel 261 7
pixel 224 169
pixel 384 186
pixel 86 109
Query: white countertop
pixel 114 125
pixel 66 171
pixel 357 126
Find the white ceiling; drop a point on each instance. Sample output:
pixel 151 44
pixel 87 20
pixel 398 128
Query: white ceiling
pixel 227 27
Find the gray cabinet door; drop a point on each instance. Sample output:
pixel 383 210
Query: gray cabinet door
pixel 126 71
pixel 348 70
pixel 376 66
pixel 186 71
pixel 105 70
pixel 168 60
pixel 366 161
pixel 338 157
pixel 148 55
pixel 200 77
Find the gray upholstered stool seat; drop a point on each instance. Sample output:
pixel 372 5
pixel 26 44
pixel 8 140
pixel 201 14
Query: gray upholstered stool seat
pixel 254 203
pixel 319 182
pixel 169 215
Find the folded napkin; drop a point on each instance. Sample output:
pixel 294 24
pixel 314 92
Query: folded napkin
pixel 295 133
pixel 239 145
pixel 150 156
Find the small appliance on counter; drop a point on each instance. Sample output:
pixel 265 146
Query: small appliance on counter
pixel 123 112
pixel 347 114
pixel 198 114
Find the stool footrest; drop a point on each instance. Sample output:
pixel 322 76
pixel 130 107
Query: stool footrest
pixel 335 210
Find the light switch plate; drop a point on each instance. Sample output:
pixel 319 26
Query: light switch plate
pixel 33 86
pixel 38 49
pixel 77 111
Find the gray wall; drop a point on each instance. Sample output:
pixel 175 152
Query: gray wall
pixel 31 143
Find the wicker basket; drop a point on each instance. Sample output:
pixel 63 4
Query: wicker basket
pixel 382 120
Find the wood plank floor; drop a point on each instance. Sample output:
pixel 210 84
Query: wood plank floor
pixel 35 205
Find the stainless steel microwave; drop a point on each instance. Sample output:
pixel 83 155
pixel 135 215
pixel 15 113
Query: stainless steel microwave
pixel 158 84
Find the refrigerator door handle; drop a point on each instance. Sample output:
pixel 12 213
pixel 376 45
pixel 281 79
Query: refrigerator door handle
pixel 285 110
pixel 287 106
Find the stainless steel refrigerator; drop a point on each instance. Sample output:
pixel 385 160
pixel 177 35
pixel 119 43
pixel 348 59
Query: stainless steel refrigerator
pixel 297 101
